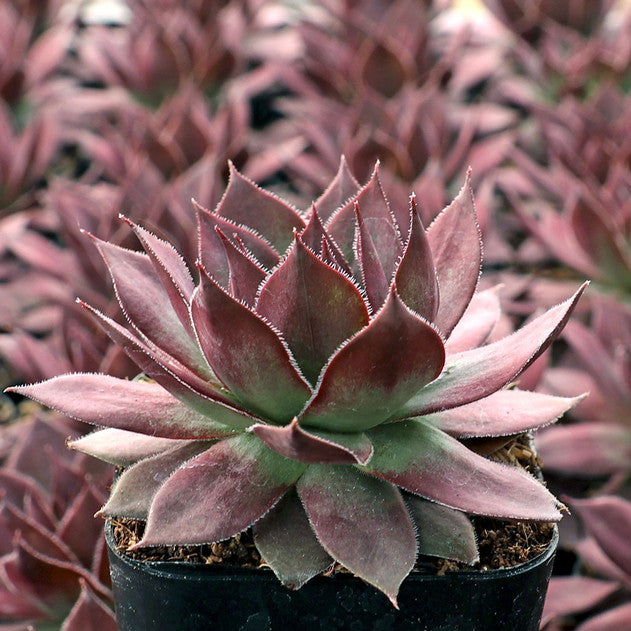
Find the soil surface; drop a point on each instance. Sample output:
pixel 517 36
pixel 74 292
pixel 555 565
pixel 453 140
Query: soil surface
pixel 501 543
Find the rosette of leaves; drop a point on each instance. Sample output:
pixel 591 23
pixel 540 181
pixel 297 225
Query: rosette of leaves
pixel 315 384
pixel 602 602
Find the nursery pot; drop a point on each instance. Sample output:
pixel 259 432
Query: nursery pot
pixel 164 596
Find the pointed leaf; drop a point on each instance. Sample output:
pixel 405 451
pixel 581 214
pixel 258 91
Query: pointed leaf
pixel 477 373
pixel 147 305
pixel 315 237
pixel 454 239
pixel 211 252
pixel 247 204
pixel 245 273
pixel 120 447
pixel 199 394
pixel 219 493
pixel 568 595
pixel 171 269
pixel 502 413
pixel 442 531
pixel 341 188
pixel 135 406
pixel 374 373
pixel 379 221
pixel 362 523
pixel 135 489
pixel 238 344
pixel 373 276
pixel 423 460
pixel 415 278
pixel 293 441
pixel 315 307
pixel 288 545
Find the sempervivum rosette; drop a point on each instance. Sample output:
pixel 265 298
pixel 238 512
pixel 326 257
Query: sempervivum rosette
pixel 314 385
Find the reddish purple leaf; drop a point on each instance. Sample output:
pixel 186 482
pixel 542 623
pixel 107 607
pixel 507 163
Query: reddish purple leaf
pixel 421 459
pixel 135 489
pixel 245 273
pixel 614 619
pixel 136 406
pixel 200 502
pixel 379 221
pixel 314 306
pixel 293 441
pixel 171 269
pixel 373 276
pixel 573 594
pixel 377 371
pixel 502 413
pixel 586 449
pixel 147 304
pixel 246 204
pixel 200 394
pixel 89 614
pixel 477 373
pixel 237 343
pixel 288 544
pixel 362 523
pixel 608 520
pixel 341 188
pixel 443 532
pixel 454 239
pixel 415 278
pixel 120 447
pixel 477 322
pixel 315 237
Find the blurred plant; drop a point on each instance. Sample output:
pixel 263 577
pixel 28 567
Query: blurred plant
pixel 598 444
pixel 53 564
pixel 584 602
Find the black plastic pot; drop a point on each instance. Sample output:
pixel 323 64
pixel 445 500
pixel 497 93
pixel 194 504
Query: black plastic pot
pixel 156 596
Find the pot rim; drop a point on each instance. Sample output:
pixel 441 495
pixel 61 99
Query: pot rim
pixel 180 568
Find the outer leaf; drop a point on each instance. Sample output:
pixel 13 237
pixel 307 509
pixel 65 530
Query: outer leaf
pixel 315 307
pixel 200 394
pixel 454 239
pixel 293 441
pixel 376 371
pixel 502 413
pixel 288 545
pixel 615 619
pixel 89 614
pixel 362 523
pixel 608 520
pixel 572 594
pixel 146 408
pixel 423 460
pixel 443 532
pixel 247 204
pixel 477 373
pixel 171 269
pixel 342 187
pixel 135 489
pixel 220 493
pixel 147 304
pixel 120 447
pixel 238 343
pixel 415 278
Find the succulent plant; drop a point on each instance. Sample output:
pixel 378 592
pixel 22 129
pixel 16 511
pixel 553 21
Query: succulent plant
pixel 315 385
pixel 602 602
pixel 53 565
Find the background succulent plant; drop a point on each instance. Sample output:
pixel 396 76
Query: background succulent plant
pixel 316 380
